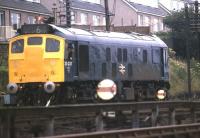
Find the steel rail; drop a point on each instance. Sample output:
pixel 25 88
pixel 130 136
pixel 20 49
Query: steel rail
pixel 176 112
pixel 175 130
pixel 126 105
pixel 73 109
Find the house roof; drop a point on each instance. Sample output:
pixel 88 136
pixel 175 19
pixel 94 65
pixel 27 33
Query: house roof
pixel 26 6
pixel 189 1
pixel 88 6
pixel 148 10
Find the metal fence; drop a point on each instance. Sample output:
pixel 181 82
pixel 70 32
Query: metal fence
pixel 6 32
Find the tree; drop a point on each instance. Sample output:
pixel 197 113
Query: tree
pixel 176 22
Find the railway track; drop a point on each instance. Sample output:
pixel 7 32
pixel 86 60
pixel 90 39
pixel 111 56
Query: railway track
pixel 67 119
pixel 188 130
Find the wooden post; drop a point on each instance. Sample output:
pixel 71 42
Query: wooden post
pixel 135 119
pixel 99 122
pixel 1 126
pixel 7 128
pixel 193 115
pixel 172 115
pixel 154 116
pixel 50 127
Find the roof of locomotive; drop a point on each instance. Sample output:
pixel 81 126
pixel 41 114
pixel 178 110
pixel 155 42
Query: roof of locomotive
pixel 94 37
pixel 109 37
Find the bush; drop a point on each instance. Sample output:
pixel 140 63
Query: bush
pixel 178 76
pixel 195 75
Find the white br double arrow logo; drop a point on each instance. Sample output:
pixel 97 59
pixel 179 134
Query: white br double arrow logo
pixel 122 69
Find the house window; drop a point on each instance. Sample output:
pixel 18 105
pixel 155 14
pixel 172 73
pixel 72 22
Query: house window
pixel 84 18
pixel 73 16
pixel 155 25
pixel 160 25
pixel 96 20
pixel 2 18
pixel 93 1
pixel 174 5
pixel 146 21
pixel 15 20
pixel 31 20
pixel 36 1
pixel 104 21
pixel 96 1
pixel 140 20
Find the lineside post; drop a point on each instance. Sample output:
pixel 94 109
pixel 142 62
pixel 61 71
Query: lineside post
pixel 154 116
pixel 193 115
pixel 135 119
pixel 99 122
pixel 50 126
pixel 7 129
pixel 1 125
pixel 172 115
pixel 187 21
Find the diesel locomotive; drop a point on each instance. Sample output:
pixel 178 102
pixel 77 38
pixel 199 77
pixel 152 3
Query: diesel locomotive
pixel 67 64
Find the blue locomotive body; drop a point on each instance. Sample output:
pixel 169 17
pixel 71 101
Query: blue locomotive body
pixel 137 63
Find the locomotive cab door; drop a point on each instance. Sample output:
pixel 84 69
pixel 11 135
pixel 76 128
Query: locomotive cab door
pixel 165 64
pixel 162 61
pixel 83 59
pixel 71 68
pixel 157 62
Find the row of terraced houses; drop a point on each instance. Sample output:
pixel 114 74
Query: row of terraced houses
pixel 14 13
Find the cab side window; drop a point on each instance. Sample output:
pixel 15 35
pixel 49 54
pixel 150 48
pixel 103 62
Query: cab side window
pixel 18 46
pixel 52 45
pixel 156 56
pixel 70 51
